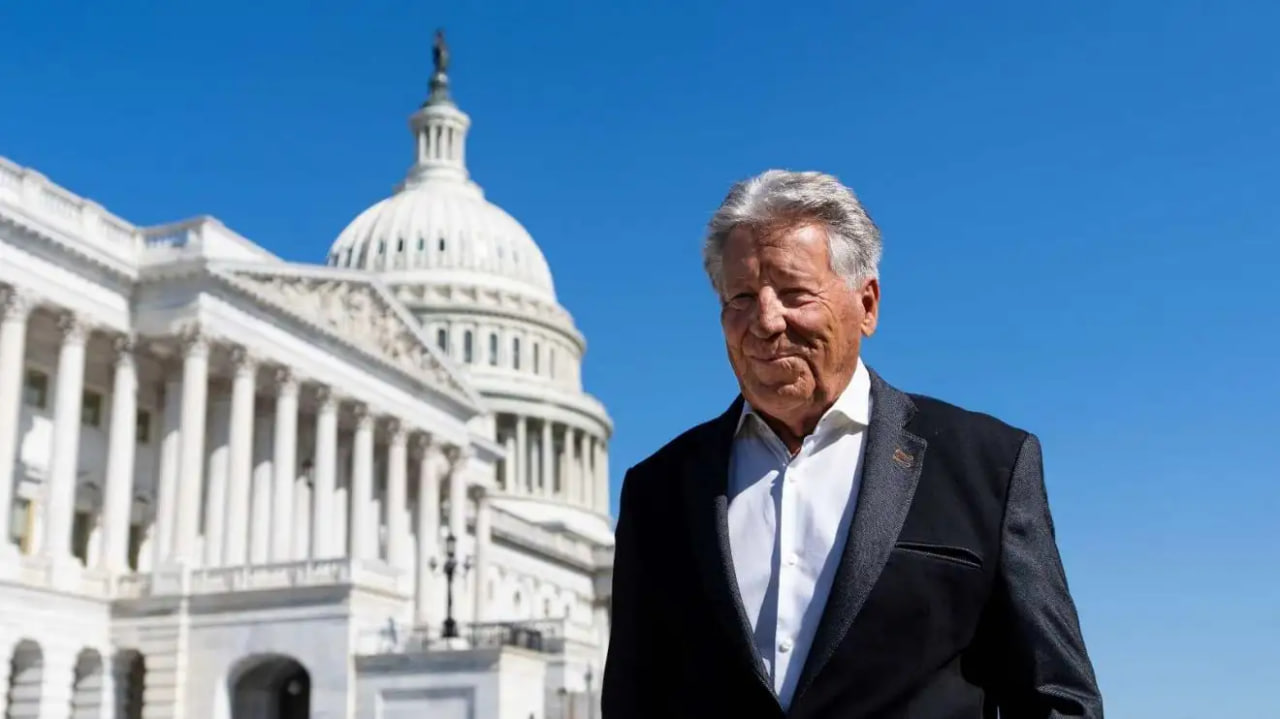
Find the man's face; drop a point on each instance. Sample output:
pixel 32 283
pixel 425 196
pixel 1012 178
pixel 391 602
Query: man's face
pixel 792 326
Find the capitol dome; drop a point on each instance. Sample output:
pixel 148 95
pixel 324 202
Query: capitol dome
pixel 482 290
pixel 438 221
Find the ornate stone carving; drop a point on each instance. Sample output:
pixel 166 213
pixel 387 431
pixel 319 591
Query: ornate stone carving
pixel 458 456
pixel 359 315
pixel 286 380
pixel 364 419
pixel 326 398
pixel 244 361
pixel 125 345
pixel 15 304
pixel 75 330
pixel 195 340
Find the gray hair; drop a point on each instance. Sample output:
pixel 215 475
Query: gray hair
pixel 779 198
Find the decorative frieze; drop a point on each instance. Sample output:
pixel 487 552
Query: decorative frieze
pixel 358 314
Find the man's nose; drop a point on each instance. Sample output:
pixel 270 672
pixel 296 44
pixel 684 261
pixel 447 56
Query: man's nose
pixel 769 319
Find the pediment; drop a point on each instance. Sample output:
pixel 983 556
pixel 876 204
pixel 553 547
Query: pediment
pixel 359 312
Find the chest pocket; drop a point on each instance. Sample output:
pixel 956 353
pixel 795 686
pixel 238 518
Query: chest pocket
pixel 941 552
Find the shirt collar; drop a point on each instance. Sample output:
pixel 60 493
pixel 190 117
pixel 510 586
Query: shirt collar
pixel 853 404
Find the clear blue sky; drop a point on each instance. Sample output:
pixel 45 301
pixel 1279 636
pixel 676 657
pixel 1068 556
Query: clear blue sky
pixel 1078 202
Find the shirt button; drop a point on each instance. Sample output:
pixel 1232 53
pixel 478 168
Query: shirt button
pixel 792 560
pixel 784 645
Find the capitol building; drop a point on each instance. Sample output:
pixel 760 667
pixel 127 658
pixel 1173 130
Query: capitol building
pixel 236 487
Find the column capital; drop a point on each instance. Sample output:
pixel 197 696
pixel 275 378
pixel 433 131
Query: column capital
pixel 243 360
pixel 286 380
pixel 364 418
pixel 195 340
pixel 458 456
pixel 15 304
pixel 326 398
pixel 396 429
pixel 74 328
pixel 124 345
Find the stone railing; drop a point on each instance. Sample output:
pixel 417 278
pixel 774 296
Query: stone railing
pixel 391 638
pixel 307 573
pixel 544 540
pixel 262 577
pixel 44 202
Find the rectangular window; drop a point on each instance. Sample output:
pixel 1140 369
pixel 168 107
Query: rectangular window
pixel 35 389
pixel 81 527
pixel 91 409
pixel 537 358
pixel 142 427
pixel 19 513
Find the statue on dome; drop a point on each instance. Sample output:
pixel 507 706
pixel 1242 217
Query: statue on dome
pixel 440 53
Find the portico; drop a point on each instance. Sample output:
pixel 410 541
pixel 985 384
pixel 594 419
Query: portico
pixel 201 478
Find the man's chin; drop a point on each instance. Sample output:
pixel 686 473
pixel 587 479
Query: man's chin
pixel 776 398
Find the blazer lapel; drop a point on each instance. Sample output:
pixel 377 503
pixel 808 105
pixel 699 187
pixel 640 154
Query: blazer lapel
pixel 891 464
pixel 706 485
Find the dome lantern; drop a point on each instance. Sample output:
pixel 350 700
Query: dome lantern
pixel 439 128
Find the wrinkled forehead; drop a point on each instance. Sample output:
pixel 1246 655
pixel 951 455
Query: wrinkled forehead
pixel 790 250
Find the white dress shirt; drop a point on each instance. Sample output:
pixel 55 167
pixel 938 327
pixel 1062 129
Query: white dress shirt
pixel 788 521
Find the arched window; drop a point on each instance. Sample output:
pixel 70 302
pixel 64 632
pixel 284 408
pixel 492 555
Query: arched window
pixel 466 347
pixel 442 339
pixel 493 349
pixel 515 352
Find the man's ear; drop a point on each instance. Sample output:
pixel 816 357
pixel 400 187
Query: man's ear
pixel 869 297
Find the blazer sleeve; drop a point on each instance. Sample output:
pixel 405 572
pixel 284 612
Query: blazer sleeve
pixel 630 672
pixel 1039 666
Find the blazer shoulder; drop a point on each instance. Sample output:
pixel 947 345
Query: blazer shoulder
pixel 662 465
pixel 941 419
pixel 677 450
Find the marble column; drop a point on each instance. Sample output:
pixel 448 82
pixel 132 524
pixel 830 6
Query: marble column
pixel 521 458
pixel 239 458
pixel 167 474
pixel 324 475
pixel 195 393
pixel 589 457
pixel 458 492
pixel 60 494
pixel 563 450
pixel 602 479
pixel 285 463
pixel 118 499
pixel 15 308
pixel 360 530
pixel 547 455
pixel 215 503
pixel 259 526
pixel 430 464
pixel 397 489
pixel 484 532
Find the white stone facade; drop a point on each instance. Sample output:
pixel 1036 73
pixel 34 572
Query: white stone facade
pixel 228 482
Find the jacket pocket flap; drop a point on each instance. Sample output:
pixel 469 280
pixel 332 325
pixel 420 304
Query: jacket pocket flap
pixel 960 555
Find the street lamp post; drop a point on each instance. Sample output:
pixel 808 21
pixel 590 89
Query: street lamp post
pixel 450 566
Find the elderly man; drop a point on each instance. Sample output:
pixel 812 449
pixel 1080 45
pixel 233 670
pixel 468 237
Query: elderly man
pixel 830 546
